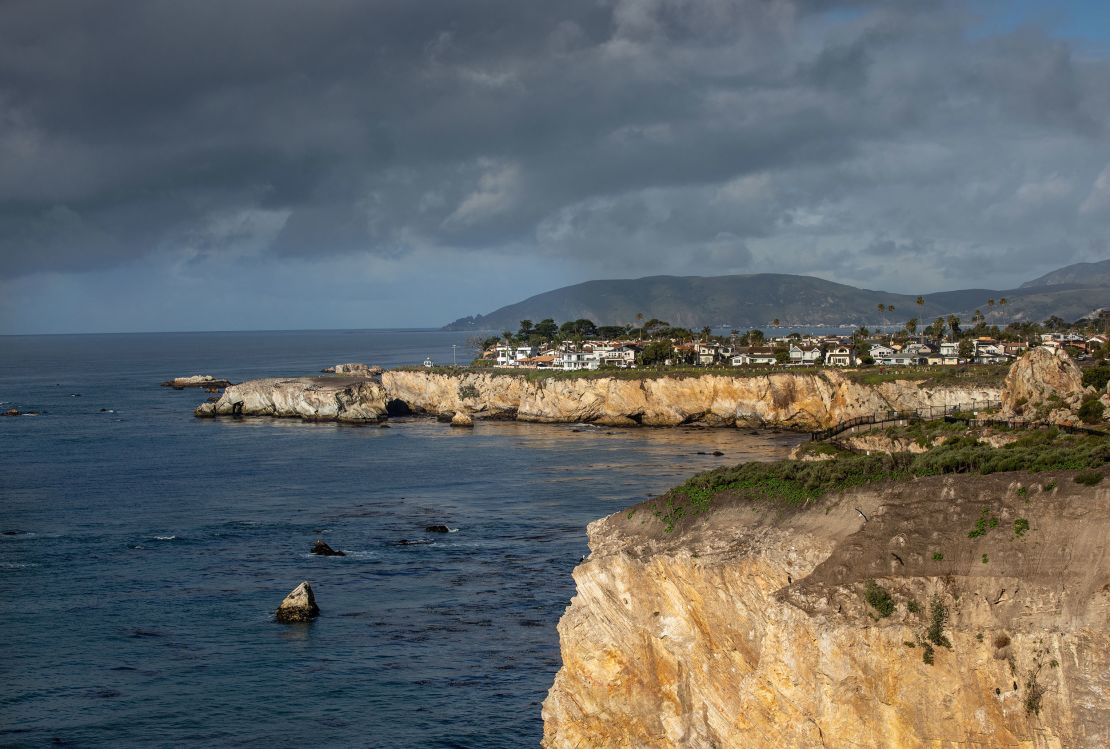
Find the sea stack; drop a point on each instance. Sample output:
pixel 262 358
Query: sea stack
pixel 298 606
pixel 321 548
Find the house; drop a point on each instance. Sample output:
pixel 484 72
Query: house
pixel 879 351
pixel 989 351
pixel 511 356
pixel 712 352
pixel 841 356
pixel 805 354
pixel 900 359
pixel 618 356
pixel 541 361
pixel 571 361
pixel 747 357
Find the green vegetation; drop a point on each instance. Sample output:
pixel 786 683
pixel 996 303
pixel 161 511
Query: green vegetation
pixel 794 483
pixel 1021 527
pixel 983 524
pixel 938 618
pixel 879 598
pixel 937 556
pixel 1091 410
pixel 913 606
pixel 1088 478
pixel 986 559
pixel 969 375
pixel 1097 377
pixel 1049 486
pixel 468 391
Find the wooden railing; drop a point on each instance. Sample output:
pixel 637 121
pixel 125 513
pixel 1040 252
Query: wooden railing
pixel 918 414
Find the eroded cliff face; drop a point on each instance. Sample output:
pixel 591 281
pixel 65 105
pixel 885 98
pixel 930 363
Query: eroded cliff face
pixel 748 627
pixel 796 400
pixel 351 399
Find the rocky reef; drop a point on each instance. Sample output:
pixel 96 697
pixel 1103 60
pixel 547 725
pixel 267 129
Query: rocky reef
pixel 348 399
pixel 947 611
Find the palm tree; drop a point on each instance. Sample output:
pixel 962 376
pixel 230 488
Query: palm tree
pixel 706 331
pixel 775 322
pixel 954 325
pixel 911 325
pixel 640 325
pixel 990 302
pixel 920 301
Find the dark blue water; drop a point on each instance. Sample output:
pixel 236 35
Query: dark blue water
pixel 145 551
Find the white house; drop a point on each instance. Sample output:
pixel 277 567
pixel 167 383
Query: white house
pixel 753 356
pixel 512 356
pixel 805 354
pixel 879 351
pixel 618 356
pixel 571 361
pixel 841 356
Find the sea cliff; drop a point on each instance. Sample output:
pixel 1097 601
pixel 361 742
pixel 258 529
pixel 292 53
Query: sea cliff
pixel 808 400
pixel 750 626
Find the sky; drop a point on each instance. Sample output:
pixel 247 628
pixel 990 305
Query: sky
pixel 280 164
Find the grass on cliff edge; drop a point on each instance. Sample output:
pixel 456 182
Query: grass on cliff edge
pixel 794 483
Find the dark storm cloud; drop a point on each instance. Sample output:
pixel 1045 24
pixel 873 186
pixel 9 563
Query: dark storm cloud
pixel 635 135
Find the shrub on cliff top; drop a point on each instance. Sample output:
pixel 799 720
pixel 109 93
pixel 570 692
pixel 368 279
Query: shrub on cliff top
pixel 797 483
pixel 879 598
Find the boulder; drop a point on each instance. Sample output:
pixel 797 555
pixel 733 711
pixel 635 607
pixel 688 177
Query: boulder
pixel 462 419
pixel 321 548
pixel 1043 384
pixel 298 606
pixel 12 412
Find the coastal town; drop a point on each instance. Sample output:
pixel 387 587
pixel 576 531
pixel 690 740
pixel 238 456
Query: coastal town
pixel 582 345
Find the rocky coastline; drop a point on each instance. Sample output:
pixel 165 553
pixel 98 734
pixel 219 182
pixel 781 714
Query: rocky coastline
pixel 802 401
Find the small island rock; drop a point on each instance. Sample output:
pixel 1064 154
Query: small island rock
pixel 321 548
pixel 462 419
pixel 12 412
pixel 298 606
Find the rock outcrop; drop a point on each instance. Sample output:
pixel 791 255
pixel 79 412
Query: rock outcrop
pixel 195 381
pixel 462 419
pixel 1046 385
pixel 346 399
pixel 749 627
pixel 354 368
pixel 321 548
pixel 298 606
pixel 791 399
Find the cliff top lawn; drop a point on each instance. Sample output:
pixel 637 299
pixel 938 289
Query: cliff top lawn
pixel 976 375
pixel 791 484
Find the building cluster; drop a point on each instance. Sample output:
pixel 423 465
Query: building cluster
pixel 790 351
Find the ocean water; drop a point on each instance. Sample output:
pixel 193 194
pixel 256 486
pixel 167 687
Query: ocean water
pixel 143 551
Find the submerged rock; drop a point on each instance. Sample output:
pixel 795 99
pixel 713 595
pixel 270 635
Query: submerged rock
pixel 437 529
pixel 321 548
pixel 298 606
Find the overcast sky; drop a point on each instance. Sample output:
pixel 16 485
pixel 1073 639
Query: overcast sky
pixel 246 164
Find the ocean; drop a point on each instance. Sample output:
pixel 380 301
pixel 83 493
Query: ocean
pixel 143 551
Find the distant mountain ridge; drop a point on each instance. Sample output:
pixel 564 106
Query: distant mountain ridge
pixel 755 300
pixel 1079 274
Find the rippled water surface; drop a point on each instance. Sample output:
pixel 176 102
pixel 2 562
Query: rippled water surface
pixel 143 550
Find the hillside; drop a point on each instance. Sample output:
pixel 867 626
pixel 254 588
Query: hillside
pixel 755 300
pixel 1079 274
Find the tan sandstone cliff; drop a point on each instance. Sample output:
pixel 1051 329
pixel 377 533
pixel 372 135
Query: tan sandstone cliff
pixel 748 627
pixel 797 400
